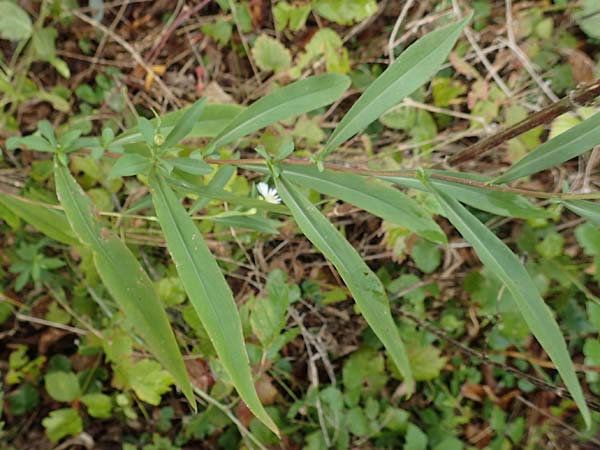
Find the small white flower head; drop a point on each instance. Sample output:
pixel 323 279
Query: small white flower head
pixel 268 194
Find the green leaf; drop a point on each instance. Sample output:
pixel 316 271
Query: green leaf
pixel 185 124
pixel 587 209
pixel 218 181
pixel 415 438
pixel 148 380
pixel 208 292
pixel 193 166
pixel 377 198
pixel 62 386
pixel 124 278
pixel 270 54
pixel 588 236
pixel 48 220
pixel 240 222
pixel 218 194
pixel 495 255
pixel 15 23
pixel 61 423
pixel 289 101
pixel 98 405
pixel 211 122
pixel 497 202
pixel 588 18
pixel 367 290
pixel 23 400
pixel 268 315
pixel 567 145
pixel 411 70
pixel 146 130
pixel 130 164
pixel 345 12
pixel 32 142
pixel 426 255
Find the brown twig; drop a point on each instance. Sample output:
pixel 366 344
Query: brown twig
pixel 185 15
pixel 577 98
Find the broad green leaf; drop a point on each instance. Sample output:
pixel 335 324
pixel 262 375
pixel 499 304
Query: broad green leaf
pixel 130 164
pixel 412 69
pixel 193 166
pixel 585 208
pixel 345 12
pixel 588 18
pixel 15 23
pixel 124 278
pixel 497 257
pixel 48 220
pixel 213 119
pixel 98 405
pixel 289 101
pixel 497 202
pixel 62 386
pixel 61 423
pixel 567 145
pixel 208 292
pixel 185 124
pixel 270 54
pixel 367 290
pixel 379 199
pixel 32 142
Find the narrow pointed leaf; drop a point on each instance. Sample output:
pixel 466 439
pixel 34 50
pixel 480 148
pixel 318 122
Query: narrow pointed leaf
pixel 417 64
pixel 495 255
pixel 191 165
pixel 218 181
pixel 49 221
pixel 496 202
pixel 215 193
pixel 379 199
pixel 130 164
pixel 208 291
pixel 212 120
pixel 567 145
pixel 367 290
pixel 290 101
pixel 185 125
pixel 124 278
pixel 587 209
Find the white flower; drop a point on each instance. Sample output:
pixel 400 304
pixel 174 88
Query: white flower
pixel 268 194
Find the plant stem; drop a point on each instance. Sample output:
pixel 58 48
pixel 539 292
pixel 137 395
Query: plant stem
pixel 413 174
pixel 575 99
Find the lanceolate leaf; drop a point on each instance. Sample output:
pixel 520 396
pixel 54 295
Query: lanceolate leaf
pixel 366 288
pixel 497 202
pixel 124 278
pixel 411 70
pixel 208 291
pixel 130 164
pixel 573 142
pixel 49 221
pixel 212 120
pixel 497 257
pixel 384 201
pixel 185 124
pixel 587 209
pixel 215 193
pixel 290 101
